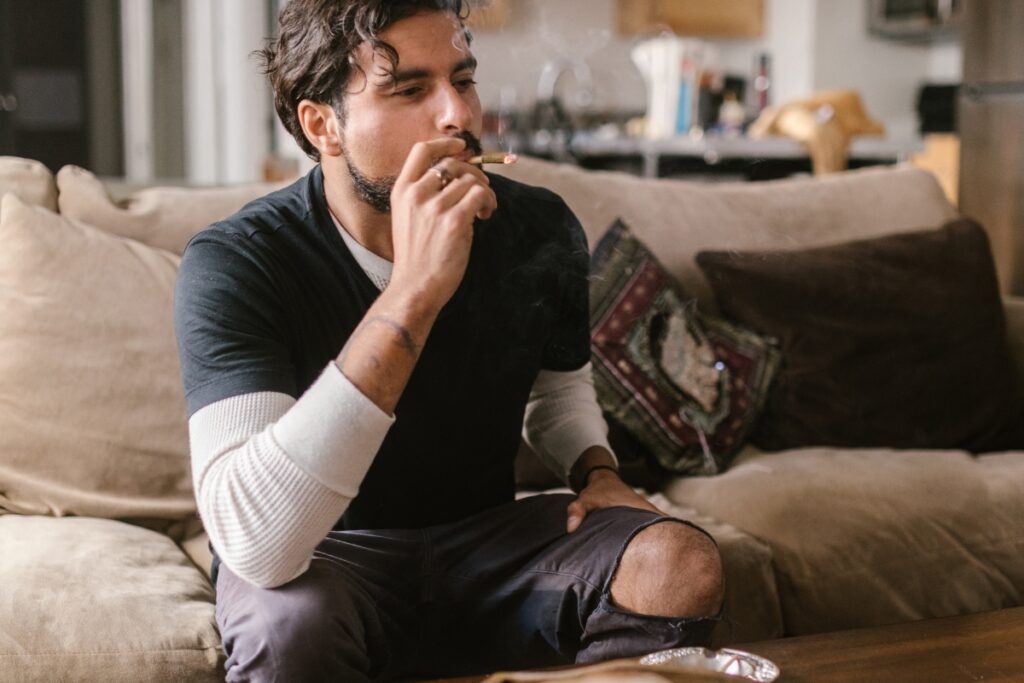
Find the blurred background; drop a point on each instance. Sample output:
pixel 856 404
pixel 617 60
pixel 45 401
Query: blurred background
pixel 167 90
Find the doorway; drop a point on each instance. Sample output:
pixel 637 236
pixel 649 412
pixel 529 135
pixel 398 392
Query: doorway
pixel 60 83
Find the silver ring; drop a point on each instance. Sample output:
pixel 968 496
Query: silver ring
pixel 442 175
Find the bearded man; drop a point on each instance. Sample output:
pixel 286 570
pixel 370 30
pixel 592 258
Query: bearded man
pixel 360 352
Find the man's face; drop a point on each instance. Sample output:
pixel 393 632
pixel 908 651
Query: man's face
pixel 432 94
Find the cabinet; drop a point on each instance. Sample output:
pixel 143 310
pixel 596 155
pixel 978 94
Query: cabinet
pixel 712 18
pixel 487 15
pixel 991 127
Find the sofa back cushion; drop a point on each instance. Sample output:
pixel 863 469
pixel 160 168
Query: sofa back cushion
pixel 92 413
pixel 1013 309
pixel 676 219
pixel 30 180
pixel 163 217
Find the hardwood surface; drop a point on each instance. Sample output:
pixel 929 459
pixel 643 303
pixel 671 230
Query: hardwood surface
pixel 976 647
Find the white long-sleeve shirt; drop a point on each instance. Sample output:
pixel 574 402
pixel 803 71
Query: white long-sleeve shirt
pixel 273 474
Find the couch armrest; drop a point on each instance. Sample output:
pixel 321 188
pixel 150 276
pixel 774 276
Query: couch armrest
pixel 1014 308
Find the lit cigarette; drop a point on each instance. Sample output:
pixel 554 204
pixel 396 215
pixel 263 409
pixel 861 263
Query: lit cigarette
pixel 493 158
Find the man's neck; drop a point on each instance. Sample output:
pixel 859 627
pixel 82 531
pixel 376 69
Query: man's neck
pixel 367 226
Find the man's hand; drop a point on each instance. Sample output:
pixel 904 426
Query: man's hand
pixel 433 204
pixel 432 216
pixel 603 489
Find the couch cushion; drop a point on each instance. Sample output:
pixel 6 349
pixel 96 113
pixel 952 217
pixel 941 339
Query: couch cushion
pixel 686 384
pixel 29 179
pixel 164 217
pixel 880 346
pixel 92 412
pixel 868 537
pixel 676 219
pixel 98 600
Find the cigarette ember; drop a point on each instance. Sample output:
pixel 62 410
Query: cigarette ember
pixel 493 158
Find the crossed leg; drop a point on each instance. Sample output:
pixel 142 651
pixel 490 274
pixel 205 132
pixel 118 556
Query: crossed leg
pixel 669 570
pixel 507 588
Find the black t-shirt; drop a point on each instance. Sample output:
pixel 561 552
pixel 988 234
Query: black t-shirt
pixel 265 299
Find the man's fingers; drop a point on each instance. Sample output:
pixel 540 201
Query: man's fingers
pixel 467 190
pixel 576 512
pixel 425 154
pixel 457 169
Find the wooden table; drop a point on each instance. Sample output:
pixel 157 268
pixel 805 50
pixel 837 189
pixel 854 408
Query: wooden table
pixel 975 647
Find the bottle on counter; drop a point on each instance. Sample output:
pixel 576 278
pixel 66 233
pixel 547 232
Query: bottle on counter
pixel 762 83
pixel 731 115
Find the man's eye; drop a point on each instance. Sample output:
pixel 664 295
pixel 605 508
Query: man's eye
pixel 409 92
pixel 465 84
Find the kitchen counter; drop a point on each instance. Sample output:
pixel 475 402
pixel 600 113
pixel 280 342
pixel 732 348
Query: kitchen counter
pixel 712 151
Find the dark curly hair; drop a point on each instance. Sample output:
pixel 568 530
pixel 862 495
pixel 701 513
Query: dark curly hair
pixel 313 55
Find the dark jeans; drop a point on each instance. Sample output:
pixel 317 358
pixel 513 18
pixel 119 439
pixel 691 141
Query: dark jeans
pixel 504 589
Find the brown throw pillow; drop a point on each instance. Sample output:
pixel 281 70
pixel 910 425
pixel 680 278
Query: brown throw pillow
pixel 688 386
pixel 897 341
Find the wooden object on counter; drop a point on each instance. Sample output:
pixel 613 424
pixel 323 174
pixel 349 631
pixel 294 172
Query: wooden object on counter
pixel 941 157
pixel 720 18
pixel 825 123
pixel 486 15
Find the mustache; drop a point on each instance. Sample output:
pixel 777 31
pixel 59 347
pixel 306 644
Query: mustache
pixel 472 142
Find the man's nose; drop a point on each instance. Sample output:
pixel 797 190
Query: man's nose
pixel 454 113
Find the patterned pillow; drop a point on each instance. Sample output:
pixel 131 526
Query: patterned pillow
pixel 687 385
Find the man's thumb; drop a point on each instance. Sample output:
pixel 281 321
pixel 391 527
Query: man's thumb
pixel 576 515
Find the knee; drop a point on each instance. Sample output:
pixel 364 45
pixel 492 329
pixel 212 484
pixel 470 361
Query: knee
pixel 296 634
pixel 670 569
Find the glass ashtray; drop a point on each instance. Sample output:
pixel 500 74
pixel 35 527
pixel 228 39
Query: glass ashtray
pixel 726 661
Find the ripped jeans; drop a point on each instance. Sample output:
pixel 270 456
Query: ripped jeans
pixel 507 588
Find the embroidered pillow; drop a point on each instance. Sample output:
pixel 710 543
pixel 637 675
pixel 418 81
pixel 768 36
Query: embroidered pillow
pixel 687 385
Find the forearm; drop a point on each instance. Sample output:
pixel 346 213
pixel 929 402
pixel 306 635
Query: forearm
pixel 381 353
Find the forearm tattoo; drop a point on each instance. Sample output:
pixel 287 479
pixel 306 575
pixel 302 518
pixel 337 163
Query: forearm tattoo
pixel 402 336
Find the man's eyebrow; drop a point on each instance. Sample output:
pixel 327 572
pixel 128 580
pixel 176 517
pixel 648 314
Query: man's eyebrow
pixel 401 76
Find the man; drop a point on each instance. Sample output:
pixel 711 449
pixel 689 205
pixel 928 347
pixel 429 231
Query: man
pixel 359 351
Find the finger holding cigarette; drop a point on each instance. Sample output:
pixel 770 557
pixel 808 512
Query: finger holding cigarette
pixel 492 158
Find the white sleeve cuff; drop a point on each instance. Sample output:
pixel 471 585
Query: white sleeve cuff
pixel 335 434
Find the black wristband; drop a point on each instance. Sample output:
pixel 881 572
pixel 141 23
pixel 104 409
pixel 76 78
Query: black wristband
pixel 590 470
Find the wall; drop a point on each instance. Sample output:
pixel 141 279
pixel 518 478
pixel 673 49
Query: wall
pixel 887 74
pixel 228 111
pixel 544 30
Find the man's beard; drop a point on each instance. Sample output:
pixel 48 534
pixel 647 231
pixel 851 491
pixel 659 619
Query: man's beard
pixel 377 191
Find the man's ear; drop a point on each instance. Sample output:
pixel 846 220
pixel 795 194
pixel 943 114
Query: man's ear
pixel 320 125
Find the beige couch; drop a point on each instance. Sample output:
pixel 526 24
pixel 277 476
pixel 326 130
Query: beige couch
pixel 103 562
